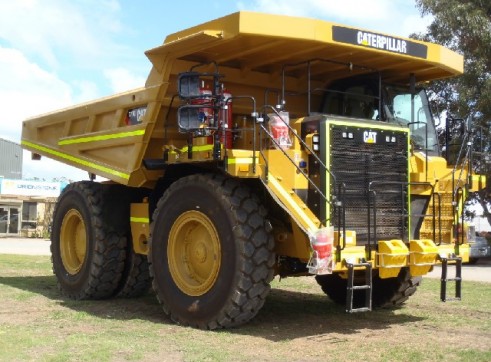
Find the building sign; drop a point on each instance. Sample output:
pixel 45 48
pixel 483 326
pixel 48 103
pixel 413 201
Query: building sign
pixel 30 188
pixel 379 41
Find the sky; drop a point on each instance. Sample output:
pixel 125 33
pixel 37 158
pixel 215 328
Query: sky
pixel 57 53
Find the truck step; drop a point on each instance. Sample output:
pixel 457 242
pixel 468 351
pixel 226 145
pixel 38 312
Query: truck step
pixel 457 279
pixel 351 288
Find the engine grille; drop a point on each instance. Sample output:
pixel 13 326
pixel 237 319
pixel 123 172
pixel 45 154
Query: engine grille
pixel 360 157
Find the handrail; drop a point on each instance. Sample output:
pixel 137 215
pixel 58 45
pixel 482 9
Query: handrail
pixel 304 144
pixel 333 201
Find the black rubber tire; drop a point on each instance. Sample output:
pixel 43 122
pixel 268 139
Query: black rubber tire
pixel 135 280
pixel 102 267
pixel 473 261
pixel 242 281
pixel 386 293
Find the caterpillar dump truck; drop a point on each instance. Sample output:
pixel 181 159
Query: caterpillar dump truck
pixel 260 146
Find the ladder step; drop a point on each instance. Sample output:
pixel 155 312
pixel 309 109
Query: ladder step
pixel 362 309
pixel 351 288
pixel 361 287
pixel 457 279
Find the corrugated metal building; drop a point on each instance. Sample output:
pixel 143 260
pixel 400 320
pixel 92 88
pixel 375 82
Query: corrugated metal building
pixel 26 206
pixel 10 160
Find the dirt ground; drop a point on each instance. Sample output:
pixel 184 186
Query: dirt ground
pixel 480 272
pixel 297 323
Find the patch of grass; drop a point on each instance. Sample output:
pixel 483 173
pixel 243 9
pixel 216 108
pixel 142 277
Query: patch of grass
pixel 297 322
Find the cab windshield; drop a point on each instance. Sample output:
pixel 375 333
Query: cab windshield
pixel 398 110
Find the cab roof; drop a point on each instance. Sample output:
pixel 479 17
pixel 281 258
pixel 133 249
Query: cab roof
pixel 250 41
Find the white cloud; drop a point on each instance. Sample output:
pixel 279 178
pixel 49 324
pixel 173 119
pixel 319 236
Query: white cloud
pixel 398 17
pixel 347 9
pixel 416 24
pixel 51 56
pixel 26 90
pixel 122 80
pixel 85 91
pixel 52 30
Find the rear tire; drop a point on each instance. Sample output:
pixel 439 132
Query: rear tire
pixel 211 252
pixel 386 293
pixel 135 280
pixel 87 256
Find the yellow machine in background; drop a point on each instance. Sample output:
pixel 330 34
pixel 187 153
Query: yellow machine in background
pixel 260 145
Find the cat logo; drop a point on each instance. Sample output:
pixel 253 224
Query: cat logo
pixel 370 137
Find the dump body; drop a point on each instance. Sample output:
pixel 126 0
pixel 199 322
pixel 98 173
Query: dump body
pixel 267 145
pixel 251 49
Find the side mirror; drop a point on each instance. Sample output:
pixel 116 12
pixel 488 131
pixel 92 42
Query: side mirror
pixel 188 85
pixel 188 118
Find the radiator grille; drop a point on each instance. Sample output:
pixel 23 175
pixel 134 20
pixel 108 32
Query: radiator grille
pixel 363 156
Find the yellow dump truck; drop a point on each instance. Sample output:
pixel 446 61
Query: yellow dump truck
pixel 260 146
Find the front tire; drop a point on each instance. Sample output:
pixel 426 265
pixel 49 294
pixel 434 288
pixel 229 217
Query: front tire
pixel 211 252
pixel 386 293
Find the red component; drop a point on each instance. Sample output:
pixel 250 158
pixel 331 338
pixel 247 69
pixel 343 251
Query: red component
pixel 205 113
pixel 225 119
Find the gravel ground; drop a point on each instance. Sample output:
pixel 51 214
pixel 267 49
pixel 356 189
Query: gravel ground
pixel 480 272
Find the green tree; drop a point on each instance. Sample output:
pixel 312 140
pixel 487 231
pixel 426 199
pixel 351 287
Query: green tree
pixel 465 27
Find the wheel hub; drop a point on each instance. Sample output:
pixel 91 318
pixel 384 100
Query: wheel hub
pixel 194 253
pixel 200 253
pixel 73 241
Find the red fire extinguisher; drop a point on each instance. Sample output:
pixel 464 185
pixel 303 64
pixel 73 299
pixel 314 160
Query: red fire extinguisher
pixel 205 114
pixel 225 119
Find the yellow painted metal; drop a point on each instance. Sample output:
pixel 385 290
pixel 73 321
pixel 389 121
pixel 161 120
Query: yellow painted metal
pixel 350 238
pixel 140 228
pixel 105 137
pixel 114 174
pixel 392 255
pixel 73 241
pixel 96 137
pixel 478 182
pixel 304 38
pixel 293 243
pixel 194 253
pixel 435 171
pixel 446 250
pixel 422 256
pixel 306 218
pixel 352 253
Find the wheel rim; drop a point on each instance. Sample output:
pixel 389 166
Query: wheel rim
pixel 73 241
pixel 194 253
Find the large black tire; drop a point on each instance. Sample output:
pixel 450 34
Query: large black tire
pixel 135 280
pixel 87 255
pixel 386 293
pixel 211 252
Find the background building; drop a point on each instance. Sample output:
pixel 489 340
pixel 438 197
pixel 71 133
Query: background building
pixel 10 160
pixel 26 206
